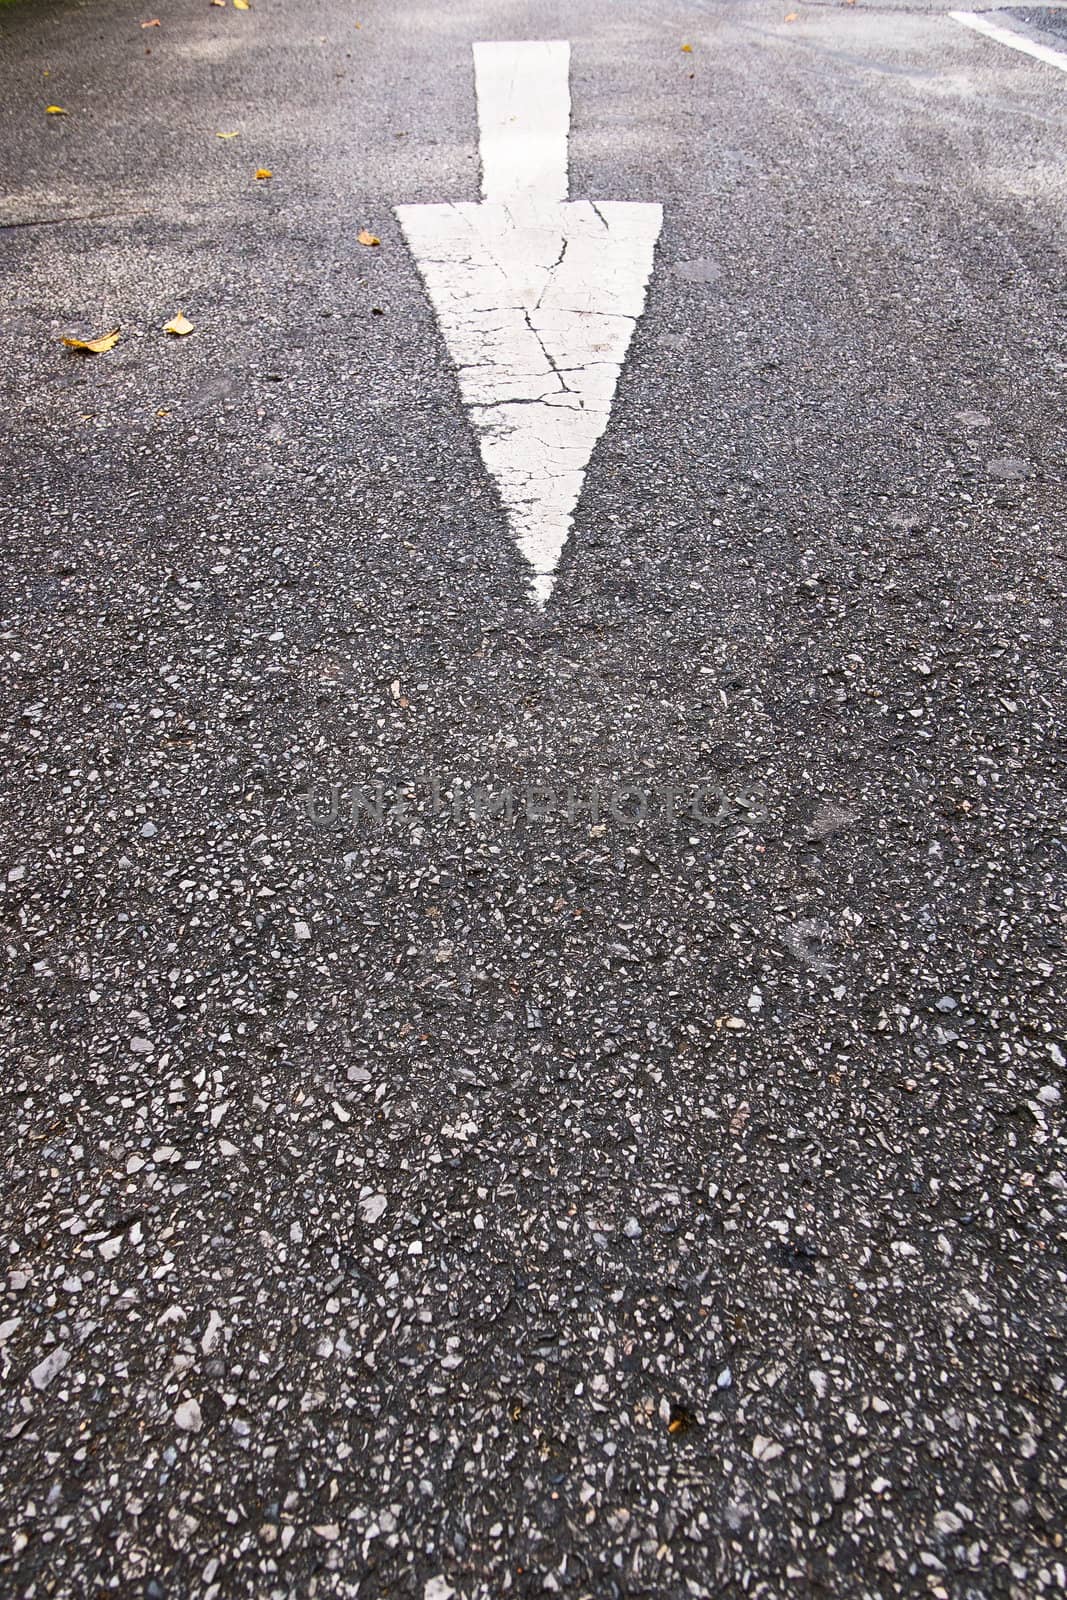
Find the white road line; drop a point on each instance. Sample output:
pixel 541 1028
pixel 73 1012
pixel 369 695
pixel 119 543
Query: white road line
pixel 1018 41
pixel 537 297
pixel 524 117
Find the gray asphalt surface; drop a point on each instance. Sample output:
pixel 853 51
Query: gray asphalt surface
pixel 659 1207
pixel 1044 23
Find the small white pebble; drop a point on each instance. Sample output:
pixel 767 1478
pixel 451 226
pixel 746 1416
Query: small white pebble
pixel 53 1364
pixel 187 1416
pixel 210 1336
pixel 372 1207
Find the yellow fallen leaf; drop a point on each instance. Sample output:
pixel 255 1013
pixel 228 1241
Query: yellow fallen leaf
pixel 367 238
pixel 688 48
pixel 264 172
pixel 226 136
pixel 95 347
pixel 179 324
pixel 792 17
pixel 54 111
pixel 241 5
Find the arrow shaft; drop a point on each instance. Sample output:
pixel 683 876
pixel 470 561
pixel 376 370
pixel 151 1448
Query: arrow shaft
pixel 524 113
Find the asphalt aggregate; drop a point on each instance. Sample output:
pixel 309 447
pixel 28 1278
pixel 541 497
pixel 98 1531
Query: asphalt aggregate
pixel 504 1102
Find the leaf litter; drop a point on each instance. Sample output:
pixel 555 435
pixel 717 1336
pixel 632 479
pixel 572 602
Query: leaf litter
pixel 95 347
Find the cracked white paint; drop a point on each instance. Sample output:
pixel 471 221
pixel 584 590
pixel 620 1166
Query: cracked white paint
pixel 537 297
pixel 524 116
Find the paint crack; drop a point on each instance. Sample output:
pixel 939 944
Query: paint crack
pixel 547 354
pixel 557 263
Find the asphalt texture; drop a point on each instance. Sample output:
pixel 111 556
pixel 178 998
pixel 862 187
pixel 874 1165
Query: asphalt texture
pixel 666 1206
pixel 1045 23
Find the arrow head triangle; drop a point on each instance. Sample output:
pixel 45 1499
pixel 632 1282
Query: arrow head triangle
pixel 537 311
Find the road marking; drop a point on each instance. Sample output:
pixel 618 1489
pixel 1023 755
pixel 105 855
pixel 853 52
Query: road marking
pixel 537 296
pixel 524 115
pixel 1018 41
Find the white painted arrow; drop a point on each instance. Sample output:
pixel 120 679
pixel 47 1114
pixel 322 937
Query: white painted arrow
pixel 537 297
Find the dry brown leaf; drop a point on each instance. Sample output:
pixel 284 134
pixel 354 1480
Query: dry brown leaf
pixel 218 2
pixel 226 136
pixel 54 111
pixel 264 172
pixel 179 325
pixel 367 238
pixel 155 23
pixel 95 347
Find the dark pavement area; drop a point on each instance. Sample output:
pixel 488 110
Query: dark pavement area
pixel 666 1206
pixel 1038 20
